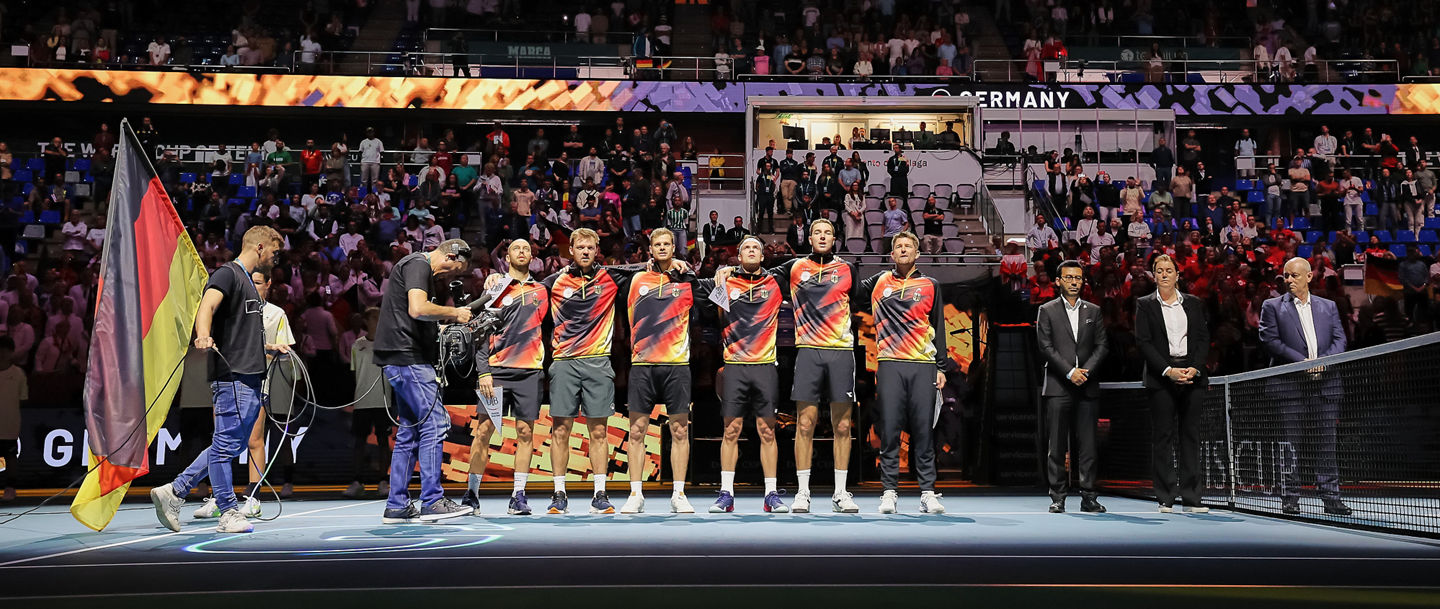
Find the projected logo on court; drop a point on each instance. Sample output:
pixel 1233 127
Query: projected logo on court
pixel 330 541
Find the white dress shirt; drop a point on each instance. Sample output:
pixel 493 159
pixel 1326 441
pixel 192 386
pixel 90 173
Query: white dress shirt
pixel 1307 326
pixel 1073 314
pixel 1177 327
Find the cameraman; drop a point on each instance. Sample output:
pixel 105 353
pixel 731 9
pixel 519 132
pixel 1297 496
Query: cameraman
pixel 407 346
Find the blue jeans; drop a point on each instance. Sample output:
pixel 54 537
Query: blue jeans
pixel 237 405
pixel 632 226
pixel 424 422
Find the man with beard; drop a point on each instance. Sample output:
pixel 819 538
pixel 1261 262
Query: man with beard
pixel 229 323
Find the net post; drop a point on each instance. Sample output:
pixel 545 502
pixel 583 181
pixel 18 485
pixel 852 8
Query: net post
pixel 1229 448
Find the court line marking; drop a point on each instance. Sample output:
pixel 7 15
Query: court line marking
pixel 170 534
pixel 744 556
pixel 788 585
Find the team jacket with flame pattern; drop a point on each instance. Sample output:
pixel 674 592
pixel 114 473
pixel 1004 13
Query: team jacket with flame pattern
pixel 519 342
pixel 659 306
pixel 583 307
pixel 909 317
pixel 750 326
pixel 821 288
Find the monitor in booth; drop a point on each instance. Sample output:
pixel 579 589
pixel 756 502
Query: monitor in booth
pixel 793 133
pixel 797 145
pixel 879 135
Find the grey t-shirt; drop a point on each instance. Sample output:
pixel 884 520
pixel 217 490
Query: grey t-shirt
pixel 401 340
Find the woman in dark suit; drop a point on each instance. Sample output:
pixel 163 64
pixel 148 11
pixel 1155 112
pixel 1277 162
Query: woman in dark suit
pixel 1174 337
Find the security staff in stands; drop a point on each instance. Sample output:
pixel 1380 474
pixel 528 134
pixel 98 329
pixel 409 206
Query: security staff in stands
pixel 1294 327
pixel 1174 337
pixel 1073 344
pixel 407 347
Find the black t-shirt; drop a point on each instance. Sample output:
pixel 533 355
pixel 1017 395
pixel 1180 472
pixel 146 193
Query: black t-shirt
pixel 933 227
pixel 239 324
pixel 401 340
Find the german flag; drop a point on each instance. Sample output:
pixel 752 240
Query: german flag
pixel 1382 277
pixel 151 280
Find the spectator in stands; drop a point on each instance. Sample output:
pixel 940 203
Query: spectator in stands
pixel 899 169
pixel 1162 158
pixel 1041 238
pixel 1162 204
pixel 934 217
pixel 1245 149
pixel 1425 184
pixel 677 219
pixel 894 221
pixel 158 51
pixel 1385 192
pixel 1300 194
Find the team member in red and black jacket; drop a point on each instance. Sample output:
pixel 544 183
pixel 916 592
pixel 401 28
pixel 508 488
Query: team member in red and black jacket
pixel 517 352
pixel 582 381
pixel 910 340
pixel 660 300
pixel 749 381
pixel 822 286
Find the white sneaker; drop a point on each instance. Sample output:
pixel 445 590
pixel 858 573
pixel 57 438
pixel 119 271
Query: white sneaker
pixel 251 509
pixel 1196 509
pixel 888 500
pixel 354 491
pixel 207 510
pixel 634 505
pixel 680 505
pixel 801 504
pixel 844 503
pixel 232 522
pixel 1165 509
pixel 930 503
pixel 167 506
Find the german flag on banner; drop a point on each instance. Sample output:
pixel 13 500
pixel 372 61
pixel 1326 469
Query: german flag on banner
pixel 1382 277
pixel 151 280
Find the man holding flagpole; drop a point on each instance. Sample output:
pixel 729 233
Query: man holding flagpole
pixel 231 310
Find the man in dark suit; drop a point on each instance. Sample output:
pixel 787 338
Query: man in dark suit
pixel 1309 404
pixel 1174 338
pixel 714 233
pixel 1073 343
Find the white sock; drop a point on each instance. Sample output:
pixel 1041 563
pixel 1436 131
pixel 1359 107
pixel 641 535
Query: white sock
pixel 804 476
pixel 472 483
pixel 635 486
pixel 520 479
pixel 679 488
pixel 559 484
pixel 840 481
pixel 769 485
pixel 727 482
pixel 600 483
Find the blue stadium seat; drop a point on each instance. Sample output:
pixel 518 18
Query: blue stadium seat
pixel 1311 236
pixel 82 164
pixel 24 175
pixel 1244 184
pixel 28 217
pixel 1398 249
pixel 1333 235
pixel 35 164
pixel 1371 209
pixel 1428 236
pixel 25 190
pixel 237 179
pixel 1301 223
pixel 1361 236
pixel 1254 196
pixel 1365 196
pixel 1426 251
pixel 1405 236
pixel 50 216
pixel 187 178
pixel 246 192
pixel 1384 236
pixel 1432 223
pixel 235 202
pixel 1304 251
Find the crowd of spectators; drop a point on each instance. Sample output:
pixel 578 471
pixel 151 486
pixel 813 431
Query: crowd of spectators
pixel 1231 237
pixel 831 39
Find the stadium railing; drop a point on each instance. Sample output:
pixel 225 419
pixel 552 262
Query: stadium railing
pixel 1361 426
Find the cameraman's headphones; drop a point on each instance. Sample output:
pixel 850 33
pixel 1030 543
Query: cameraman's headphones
pixel 460 250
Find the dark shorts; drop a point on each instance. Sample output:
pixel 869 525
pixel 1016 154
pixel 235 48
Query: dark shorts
pixel 522 392
pixel 749 388
pixel 651 385
pixel 582 385
pixel 824 376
